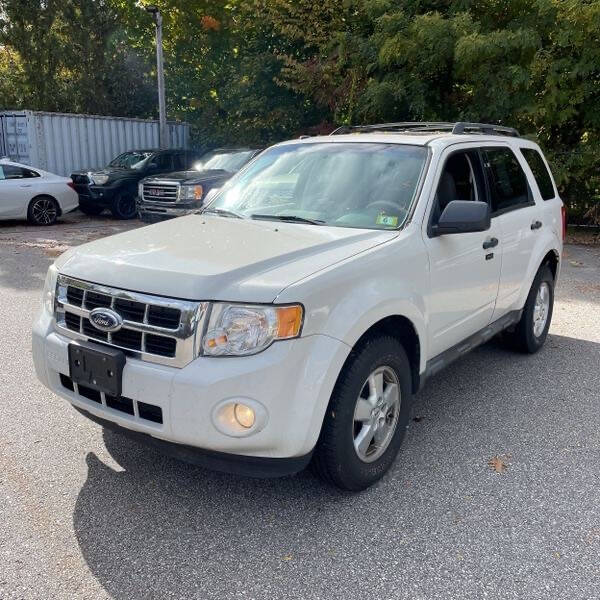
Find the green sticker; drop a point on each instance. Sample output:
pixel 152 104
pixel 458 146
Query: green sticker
pixel 387 220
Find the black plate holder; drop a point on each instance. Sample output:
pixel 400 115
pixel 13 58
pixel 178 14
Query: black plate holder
pixel 97 367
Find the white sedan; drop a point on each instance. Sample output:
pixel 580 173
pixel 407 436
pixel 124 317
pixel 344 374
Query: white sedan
pixel 33 194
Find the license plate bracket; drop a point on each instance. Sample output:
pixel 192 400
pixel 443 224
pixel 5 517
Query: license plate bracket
pixel 97 367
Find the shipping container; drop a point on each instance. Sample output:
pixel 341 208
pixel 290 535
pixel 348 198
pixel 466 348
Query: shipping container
pixel 62 143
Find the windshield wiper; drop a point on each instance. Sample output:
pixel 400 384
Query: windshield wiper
pixel 287 219
pixel 222 212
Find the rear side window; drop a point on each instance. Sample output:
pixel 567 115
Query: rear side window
pixel 12 172
pixel 540 172
pixel 508 183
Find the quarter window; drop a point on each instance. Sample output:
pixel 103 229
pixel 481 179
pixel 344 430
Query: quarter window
pixel 508 182
pixel 540 172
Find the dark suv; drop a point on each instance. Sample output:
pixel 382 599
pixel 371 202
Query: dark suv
pixel 176 194
pixel 115 186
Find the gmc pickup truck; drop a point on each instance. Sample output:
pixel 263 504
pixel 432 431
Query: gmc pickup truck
pixel 292 321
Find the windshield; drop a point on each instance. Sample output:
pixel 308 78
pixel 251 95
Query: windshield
pixel 130 160
pixel 365 185
pixel 227 161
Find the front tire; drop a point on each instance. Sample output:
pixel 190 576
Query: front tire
pixel 531 331
pixel 124 207
pixel 367 416
pixel 43 210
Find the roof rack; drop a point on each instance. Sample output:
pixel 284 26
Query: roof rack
pixel 461 127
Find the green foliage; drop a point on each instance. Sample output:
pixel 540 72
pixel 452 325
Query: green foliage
pixel 70 56
pixel 255 71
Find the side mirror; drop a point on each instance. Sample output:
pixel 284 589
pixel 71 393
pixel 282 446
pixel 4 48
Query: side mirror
pixel 152 166
pixel 463 216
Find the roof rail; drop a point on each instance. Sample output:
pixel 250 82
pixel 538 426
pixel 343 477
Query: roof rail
pixel 490 129
pixel 430 126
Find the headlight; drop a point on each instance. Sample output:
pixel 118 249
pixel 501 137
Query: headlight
pixel 191 192
pixel 50 290
pixel 98 179
pixel 240 329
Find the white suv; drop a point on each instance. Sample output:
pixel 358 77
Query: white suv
pixel 297 315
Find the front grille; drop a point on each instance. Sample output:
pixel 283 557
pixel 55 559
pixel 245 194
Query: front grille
pixel 79 179
pixel 160 192
pixel 147 412
pixel 93 300
pixel 154 329
pixel 164 317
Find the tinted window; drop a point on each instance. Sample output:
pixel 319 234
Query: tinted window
pixel 179 162
pixel 12 172
pixel 163 161
pixel 540 172
pixel 508 183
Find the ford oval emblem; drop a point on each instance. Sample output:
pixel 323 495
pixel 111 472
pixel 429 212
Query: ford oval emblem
pixel 106 319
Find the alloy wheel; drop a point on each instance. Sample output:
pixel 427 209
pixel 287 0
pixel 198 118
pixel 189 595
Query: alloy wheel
pixel 376 414
pixel 541 309
pixel 44 211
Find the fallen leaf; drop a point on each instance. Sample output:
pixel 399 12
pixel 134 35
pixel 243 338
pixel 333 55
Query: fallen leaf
pixel 498 464
pixel 287 557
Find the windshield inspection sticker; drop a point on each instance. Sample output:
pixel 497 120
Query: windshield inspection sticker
pixel 387 220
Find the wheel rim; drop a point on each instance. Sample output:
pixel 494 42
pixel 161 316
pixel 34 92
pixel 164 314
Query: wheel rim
pixel 44 211
pixel 541 309
pixel 376 414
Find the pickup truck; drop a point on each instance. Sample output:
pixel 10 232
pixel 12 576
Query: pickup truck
pixel 293 319
pixel 163 197
pixel 115 186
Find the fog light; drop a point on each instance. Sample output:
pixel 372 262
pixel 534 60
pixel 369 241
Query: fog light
pixel 244 415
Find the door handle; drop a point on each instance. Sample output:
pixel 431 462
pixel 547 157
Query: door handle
pixel 26 185
pixel 536 225
pixel 491 243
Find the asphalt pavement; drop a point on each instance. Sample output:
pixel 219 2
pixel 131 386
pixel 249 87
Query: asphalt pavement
pixel 88 514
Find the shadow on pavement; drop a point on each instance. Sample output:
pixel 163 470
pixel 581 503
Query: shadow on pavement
pixel 162 528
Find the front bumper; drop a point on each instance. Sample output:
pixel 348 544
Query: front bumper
pixel 97 194
pixel 291 380
pixel 152 213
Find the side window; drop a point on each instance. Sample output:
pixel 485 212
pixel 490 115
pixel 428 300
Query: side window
pixel 12 172
pixel 180 161
pixel 461 179
pixel 163 161
pixel 540 172
pixel 508 182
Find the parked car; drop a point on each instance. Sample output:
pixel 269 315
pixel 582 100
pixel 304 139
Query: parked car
pixel 115 186
pixel 177 194
pixel 294 319
pixel 30 193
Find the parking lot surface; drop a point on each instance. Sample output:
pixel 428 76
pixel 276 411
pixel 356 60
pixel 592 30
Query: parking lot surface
pixel 495 493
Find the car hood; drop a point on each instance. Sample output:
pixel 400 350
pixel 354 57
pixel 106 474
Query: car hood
pixel 204 257
pixel 191 176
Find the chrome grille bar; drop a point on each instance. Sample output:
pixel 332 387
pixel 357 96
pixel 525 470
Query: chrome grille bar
pixel 160 192
pixel 185 337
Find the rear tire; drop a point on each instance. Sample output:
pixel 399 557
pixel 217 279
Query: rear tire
pixel 43 210
pixel 371 400
pixel 88 208
pixel 531 331
pixel 124 207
